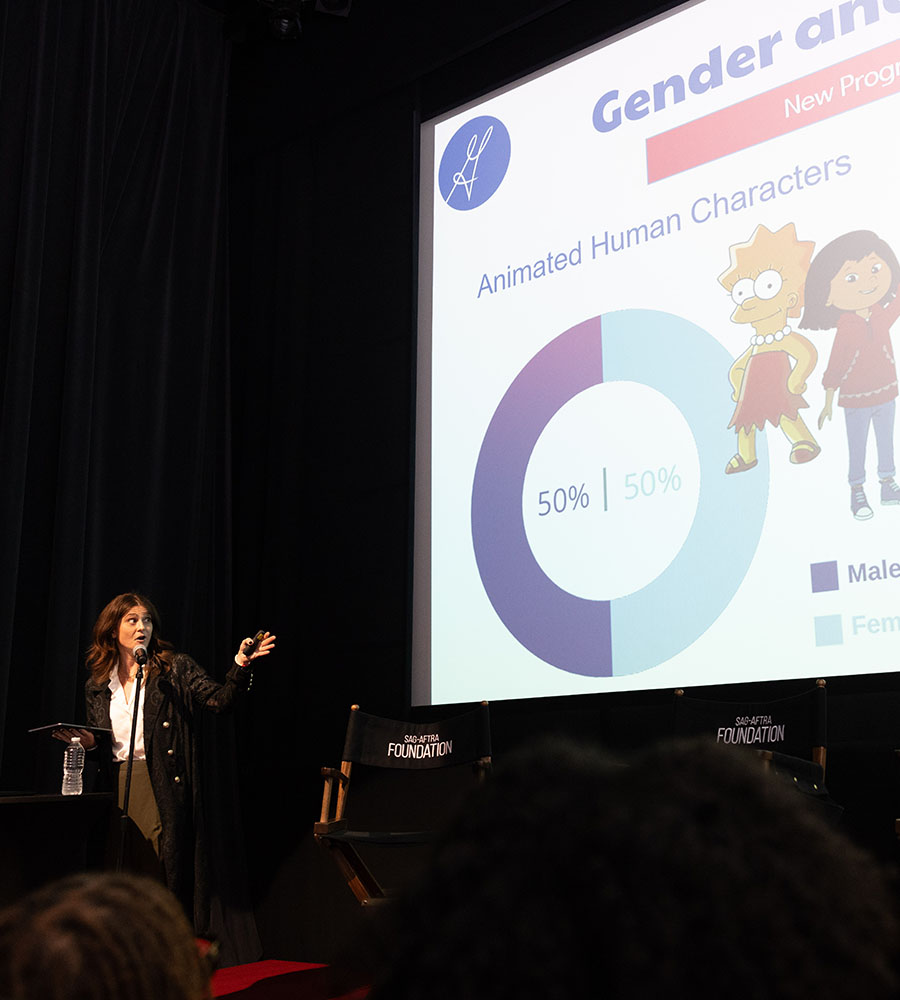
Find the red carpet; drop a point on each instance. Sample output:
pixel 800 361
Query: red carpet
pixel 277 980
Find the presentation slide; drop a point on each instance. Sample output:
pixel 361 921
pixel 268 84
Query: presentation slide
pixel 657 379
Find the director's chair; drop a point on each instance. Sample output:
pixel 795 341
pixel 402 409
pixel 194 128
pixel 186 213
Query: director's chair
pixel 389 744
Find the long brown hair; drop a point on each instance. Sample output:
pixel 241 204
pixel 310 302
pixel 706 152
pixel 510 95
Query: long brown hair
pixel 103 652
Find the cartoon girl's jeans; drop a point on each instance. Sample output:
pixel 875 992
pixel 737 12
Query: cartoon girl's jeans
pixel 858 418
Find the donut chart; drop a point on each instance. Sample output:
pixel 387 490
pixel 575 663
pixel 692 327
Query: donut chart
pixel 638 631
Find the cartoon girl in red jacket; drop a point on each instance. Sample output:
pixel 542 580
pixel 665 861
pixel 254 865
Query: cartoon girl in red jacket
pixel 852 286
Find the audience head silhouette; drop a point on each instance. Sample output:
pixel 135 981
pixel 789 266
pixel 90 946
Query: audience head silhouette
pixel 690 872
pixel 100 937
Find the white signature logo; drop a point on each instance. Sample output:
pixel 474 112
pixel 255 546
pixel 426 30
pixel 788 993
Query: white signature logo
pixel 467 175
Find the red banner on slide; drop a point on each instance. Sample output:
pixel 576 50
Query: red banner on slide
pixel 842 87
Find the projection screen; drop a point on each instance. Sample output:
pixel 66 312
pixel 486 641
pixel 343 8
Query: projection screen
pixel 656 377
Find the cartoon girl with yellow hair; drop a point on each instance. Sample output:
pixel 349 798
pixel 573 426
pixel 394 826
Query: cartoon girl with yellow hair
pixel 766 281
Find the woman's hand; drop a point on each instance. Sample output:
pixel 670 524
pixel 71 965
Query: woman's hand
pixel 67 735
pixel 250 650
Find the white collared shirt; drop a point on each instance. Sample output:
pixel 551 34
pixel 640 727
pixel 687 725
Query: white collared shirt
pixel 120 715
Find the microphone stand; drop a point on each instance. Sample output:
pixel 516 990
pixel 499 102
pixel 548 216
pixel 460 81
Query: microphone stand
pixel 123 829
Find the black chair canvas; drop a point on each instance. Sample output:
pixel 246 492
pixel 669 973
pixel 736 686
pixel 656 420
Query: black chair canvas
pixel 795 726
pixel 789 735
pixel 417 753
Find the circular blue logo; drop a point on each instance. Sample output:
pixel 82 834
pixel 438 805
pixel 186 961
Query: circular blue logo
pixel 474 163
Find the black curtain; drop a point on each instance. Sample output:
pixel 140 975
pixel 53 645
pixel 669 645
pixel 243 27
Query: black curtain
pixel 321 279
pixel 115 467
pixel 114 435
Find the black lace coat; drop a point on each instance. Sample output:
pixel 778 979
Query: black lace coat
pixel 174 705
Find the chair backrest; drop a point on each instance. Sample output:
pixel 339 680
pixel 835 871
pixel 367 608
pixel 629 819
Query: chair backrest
pixel 795 726
pixel 380 742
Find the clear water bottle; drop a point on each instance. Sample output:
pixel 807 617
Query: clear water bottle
pixel 73 767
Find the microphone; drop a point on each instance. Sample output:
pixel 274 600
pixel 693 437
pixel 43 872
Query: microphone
pixel 140 655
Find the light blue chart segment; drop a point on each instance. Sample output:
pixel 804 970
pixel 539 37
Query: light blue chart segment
pixel 688 366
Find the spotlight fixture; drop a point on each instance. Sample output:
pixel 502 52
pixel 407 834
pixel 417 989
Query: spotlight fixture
pixel 284 17
pixel 339 7
pixel 284 21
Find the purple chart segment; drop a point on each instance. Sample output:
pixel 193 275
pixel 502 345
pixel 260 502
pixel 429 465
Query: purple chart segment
pixel 570 632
